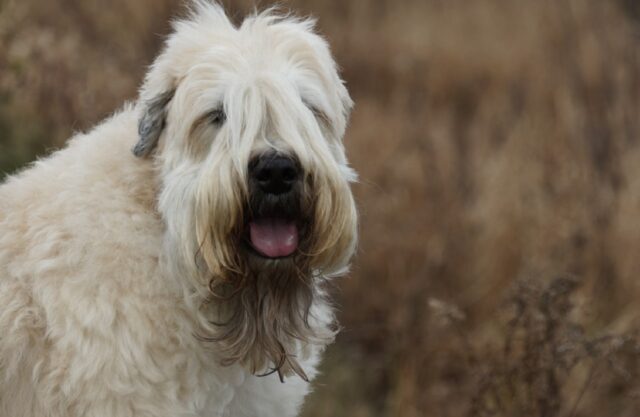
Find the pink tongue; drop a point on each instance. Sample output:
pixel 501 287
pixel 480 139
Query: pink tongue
pixel 274 238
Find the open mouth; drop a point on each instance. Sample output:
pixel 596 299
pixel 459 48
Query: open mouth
pixel 273 237
pixel 275 208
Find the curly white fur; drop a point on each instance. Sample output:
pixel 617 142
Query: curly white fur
pixel 107 259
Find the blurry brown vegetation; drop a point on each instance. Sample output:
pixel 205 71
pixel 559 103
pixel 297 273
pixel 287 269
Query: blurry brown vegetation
pixel 498 144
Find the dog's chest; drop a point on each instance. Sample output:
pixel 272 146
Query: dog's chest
pixel 178 374
pixel 137 355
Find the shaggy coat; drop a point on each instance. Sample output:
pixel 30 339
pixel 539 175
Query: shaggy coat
pixel 124 290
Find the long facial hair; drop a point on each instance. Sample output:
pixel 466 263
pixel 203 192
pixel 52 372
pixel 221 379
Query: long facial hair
pixel 260 311
pixel 262 306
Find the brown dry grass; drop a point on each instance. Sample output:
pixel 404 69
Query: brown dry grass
pixel 497 143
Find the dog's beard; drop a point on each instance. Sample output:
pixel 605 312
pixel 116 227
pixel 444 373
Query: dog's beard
pixel 260 307
pixel 262 313
pixel 258 311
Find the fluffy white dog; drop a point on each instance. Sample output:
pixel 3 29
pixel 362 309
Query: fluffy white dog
pixel 184 278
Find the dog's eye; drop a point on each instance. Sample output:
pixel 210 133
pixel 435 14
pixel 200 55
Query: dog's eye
pixel 217 117
pixel 317 113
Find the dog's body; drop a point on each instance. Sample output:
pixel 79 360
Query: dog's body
pixel 120 296
pixel 90 325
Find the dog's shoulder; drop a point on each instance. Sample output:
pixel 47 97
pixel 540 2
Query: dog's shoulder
pixel 86 211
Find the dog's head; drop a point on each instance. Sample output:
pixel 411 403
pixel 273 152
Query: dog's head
pixel 246 126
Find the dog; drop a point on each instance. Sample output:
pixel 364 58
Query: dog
pixel 173 260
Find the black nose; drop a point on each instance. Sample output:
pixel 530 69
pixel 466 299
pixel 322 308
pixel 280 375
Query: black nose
pixel 275 174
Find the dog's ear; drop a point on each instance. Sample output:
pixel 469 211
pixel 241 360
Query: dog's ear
pixel 152 121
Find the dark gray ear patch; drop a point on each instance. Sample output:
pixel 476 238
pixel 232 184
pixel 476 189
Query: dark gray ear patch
pixel 151 124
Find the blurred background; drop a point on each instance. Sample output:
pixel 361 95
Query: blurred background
pixel 498 144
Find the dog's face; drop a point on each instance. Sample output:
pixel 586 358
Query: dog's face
pixel 246 124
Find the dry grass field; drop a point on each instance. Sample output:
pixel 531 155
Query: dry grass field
pixel 498 144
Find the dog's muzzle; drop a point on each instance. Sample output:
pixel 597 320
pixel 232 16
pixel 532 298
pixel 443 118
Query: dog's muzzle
pixel 275 215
